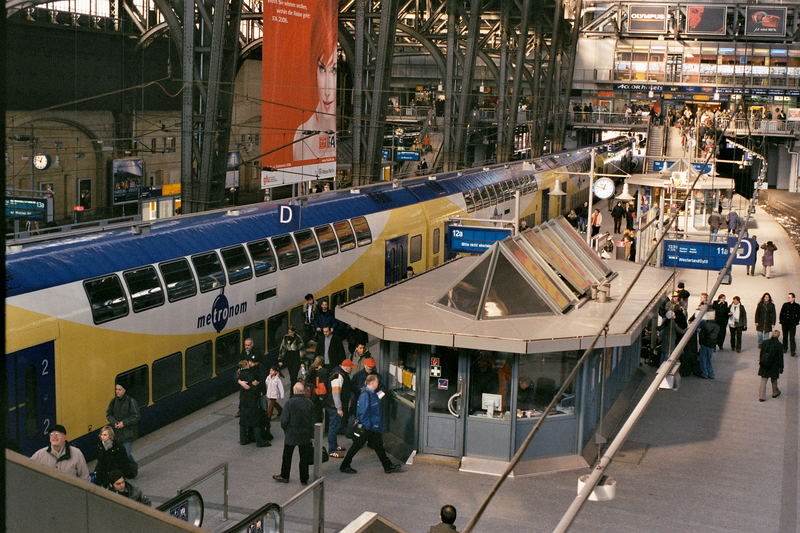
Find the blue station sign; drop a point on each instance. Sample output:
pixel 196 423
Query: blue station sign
pixel 700 167
pixel 37 209
pixel 407 155
pixel 473 239
pixel 708 255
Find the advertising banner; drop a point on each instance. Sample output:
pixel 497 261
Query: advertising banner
pixel 793 113
pixel 298 135
pixel 706 20
pixel 647 18
pixel 127 177
pixel 765 21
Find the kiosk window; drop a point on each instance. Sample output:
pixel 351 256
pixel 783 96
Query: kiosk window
pixel 144 287
pixel 403 370
pixel 356 291
pixel 309 251
pixel 107 299
pixel 198 363
pixel 277 326
pixel 415 249
pixel 263 259
pixel 540 377
pixel 227 354
pixel 286 250
pixel 209 271
pixel 490 384
pixel 136 384
pixel 237 264
pixel 363 234
pixel 256 332
pixel 344 233
pixel 179 279
pixel 167 376
pixel 327 240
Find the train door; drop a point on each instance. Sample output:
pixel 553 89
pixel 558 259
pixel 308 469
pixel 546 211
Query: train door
pixel 396 259
pixel 31 382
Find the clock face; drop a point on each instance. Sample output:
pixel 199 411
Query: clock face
pixel 604 188
pixel 41 161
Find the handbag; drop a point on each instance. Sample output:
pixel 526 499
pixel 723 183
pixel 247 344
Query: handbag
pixel 325 456
pixel 354 426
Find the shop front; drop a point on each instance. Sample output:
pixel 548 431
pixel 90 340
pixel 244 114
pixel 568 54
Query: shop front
pixel 472 386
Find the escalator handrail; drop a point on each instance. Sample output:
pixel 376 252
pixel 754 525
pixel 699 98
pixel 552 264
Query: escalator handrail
pixel 181 496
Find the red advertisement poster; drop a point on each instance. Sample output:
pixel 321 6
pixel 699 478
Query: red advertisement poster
pixel 298 118
pixel 770 21
pixel 706 20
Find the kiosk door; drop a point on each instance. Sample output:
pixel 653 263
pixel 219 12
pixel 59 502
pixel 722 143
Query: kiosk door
pixel 444 401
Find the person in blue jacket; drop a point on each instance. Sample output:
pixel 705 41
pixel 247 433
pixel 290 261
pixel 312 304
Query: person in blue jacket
pixel 368 429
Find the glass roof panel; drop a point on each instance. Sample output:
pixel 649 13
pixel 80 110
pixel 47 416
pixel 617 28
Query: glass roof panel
pixel 511 294
pixel 559 259
pixel 558 299
pixel 573 240
pixel 465 296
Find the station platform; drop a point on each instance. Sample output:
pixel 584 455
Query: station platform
pixel 708 457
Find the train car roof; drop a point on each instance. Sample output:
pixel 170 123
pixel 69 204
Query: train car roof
pixel 81 256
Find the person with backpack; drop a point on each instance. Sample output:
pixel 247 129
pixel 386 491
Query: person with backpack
pixel 770 365
pixel 337 403
pixel 317 383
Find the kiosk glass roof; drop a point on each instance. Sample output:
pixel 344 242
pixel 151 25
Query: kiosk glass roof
pixel 510 294
pixel 558 298
pixel 571 240
pixel 465 295
pixel 563 260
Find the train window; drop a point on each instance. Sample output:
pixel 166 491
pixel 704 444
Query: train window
pixel 468 201
pixel 136 384
pixel 298 319
pixel 32 402
pixel 237 264
pixel 344 233
pixel 167 376
pixel 437 237
pixel 179 279
pixel 256 332
pixel 277 326
pixel 338 297
pixel 356 291
pixel 198 363
pixel 227 353
pixel 327 240
pixel 363 234
pixel 145 289
pixel 209 271
pixel 309 251
pixel 415 249
pixel 106 298
pixel 263 258
pixel 286 250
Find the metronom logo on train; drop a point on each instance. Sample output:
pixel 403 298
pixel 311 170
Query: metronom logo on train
pixel 221 311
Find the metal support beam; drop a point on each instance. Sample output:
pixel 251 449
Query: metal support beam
pixel 358 94
pixel 449 83
pixel 468 71
pixel 187 103
pixel 522 45
pixel 503 147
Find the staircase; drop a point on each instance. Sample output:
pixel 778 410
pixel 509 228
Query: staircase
pixel 655 145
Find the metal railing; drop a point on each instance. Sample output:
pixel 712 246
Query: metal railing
pixel 408 111
pixel 187 506
pixel 605 118
pixel 201 480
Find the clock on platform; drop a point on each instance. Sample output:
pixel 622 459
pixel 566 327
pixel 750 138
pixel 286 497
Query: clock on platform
pixel 41 161
pixel 604 188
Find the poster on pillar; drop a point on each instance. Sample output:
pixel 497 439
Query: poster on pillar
pixel 298 111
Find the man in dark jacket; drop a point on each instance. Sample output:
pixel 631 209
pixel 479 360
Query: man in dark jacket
pixel 721 314
pixel 709 332
pixel 124 488
pixel 370 417
pixel 618 213
pixel 297 421
pixel 123 415
pixel 789 319
pixel 325 317
pixel 770 365
pixel 251 412
pixel 330 347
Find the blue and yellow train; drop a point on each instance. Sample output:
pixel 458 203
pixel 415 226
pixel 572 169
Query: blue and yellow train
pixel 164 309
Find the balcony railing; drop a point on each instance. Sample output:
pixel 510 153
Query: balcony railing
pixel 606 118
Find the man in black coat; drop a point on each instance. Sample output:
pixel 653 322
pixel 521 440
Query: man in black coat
pixel 251 412
pixel 789 319
pixel 297 421
pixel 123 415
pixel 721 310
pixel 330 347
pixel 770 365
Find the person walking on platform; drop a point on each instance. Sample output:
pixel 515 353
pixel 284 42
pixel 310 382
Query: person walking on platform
pixel 62 456
pixel 337 404
pixel 765 318
pixel 317 382
pixel 123 415
pixel 672 327
pixel 630 215
pixel 751 267
pixel 597 221
pixel 618 213
pixel 289 353
pixel 714 223
pixel 583 215
pixel 110 456
pixel 297 421
pixel 251 412
pixel 770 365
pixel 721 310
pixel 737 323
pixel 789 319
pixel 309 316
pixel 369 428
pixel 768 259
pixel 274 385
pixel 447 515
pixel 330 347
pixel 709 333
pixel 732 220
pixel 250 349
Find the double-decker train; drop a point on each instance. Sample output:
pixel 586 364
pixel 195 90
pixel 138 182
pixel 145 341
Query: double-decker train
pixel 164 307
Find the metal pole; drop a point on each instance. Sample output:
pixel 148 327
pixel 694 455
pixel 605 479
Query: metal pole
pixel 516 212
pixel 589 209
pixel 317 449
pixel 225 495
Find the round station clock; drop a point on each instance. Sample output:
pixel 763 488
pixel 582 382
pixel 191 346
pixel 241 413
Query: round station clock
pixel 604 188
pixel 41 161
